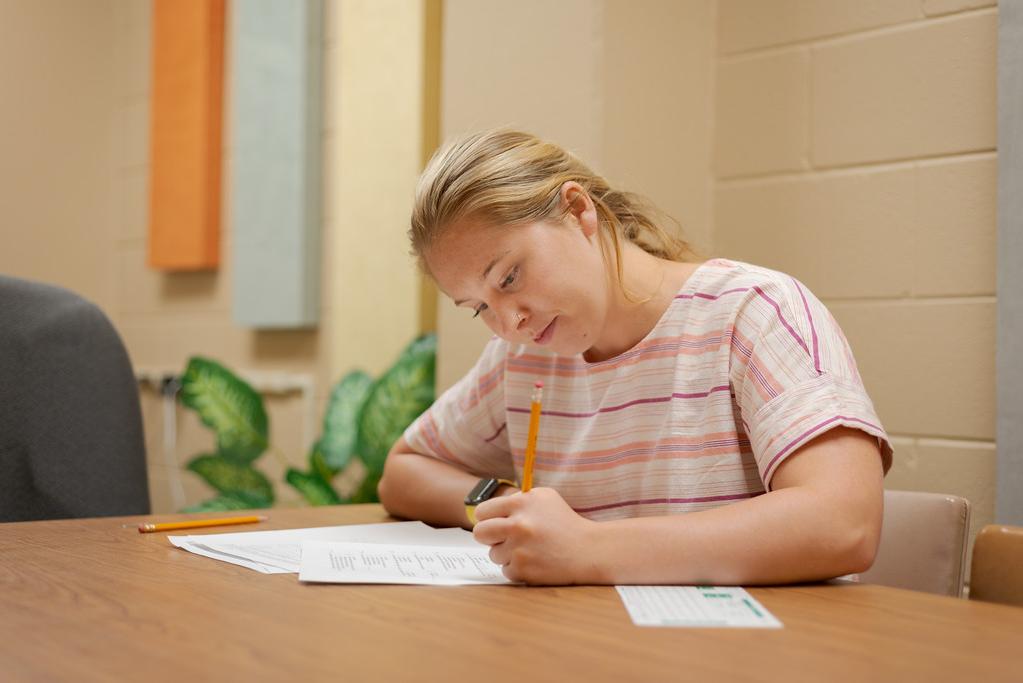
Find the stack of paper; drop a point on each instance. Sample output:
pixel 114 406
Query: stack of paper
pixel 451 565
pixel 402 552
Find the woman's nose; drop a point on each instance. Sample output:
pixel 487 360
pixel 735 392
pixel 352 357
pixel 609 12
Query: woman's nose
pixel 515 319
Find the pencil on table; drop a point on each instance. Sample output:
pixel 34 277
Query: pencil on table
pixel 534 428
pixel 199 523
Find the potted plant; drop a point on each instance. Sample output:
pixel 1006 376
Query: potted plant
pixel 362 420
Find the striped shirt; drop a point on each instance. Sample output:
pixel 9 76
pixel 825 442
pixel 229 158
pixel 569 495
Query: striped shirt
pixel 743 368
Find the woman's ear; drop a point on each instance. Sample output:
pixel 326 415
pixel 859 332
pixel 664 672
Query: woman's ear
pixel 579 206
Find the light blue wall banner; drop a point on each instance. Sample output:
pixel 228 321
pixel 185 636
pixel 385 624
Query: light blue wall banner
pixel 1009 357
pixel 275 161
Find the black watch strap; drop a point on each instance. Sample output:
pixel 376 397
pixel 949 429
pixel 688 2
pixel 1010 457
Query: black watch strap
pixel 483 490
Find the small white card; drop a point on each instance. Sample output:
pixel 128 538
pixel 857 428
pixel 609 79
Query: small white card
pixel 695 606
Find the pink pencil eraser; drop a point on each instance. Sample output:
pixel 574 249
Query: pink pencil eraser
pixel 539 384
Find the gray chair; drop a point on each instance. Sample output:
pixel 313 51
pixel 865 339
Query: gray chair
pixel 71 441
pixel 923 543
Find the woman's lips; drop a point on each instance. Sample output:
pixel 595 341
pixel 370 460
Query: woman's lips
pixel 547 333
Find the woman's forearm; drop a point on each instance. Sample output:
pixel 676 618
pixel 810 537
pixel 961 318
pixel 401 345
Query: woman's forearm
pixel 790 535
pixel 419 487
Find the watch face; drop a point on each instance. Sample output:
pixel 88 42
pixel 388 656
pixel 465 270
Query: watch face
pixel 483 490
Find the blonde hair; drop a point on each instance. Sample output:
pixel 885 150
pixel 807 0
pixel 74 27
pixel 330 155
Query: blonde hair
pixel 507 177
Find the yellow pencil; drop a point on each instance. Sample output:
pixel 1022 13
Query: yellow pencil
pixel 199 523
pixel 534 428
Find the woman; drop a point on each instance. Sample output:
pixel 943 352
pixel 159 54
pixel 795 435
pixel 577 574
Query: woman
pixel 702 422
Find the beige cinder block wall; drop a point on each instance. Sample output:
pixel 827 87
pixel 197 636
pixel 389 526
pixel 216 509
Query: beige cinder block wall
pixel 626 86
pixel 855 149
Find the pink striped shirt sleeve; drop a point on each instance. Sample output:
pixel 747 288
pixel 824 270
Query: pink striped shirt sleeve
pixel 466 425
pixel 794 374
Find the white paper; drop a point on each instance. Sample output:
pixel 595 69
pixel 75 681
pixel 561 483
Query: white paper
pixel 699 606
pixel 200 549
pixel 280 551
pixel 438 565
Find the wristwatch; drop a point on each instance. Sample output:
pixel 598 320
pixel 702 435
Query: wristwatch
pixel 483 490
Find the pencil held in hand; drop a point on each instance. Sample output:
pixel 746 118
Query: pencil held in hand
pixel 534 428
pixel 199 523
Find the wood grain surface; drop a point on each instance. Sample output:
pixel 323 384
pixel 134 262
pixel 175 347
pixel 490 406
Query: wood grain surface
pixel 90 600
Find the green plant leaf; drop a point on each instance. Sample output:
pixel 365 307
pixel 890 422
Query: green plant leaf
pixel 227 405
pixel 241 482
pixel 398 398
pixel 340 419
pixel 312 487
pixel 318 465
pixel 218 503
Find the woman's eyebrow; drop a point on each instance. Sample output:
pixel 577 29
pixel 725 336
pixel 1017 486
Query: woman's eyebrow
pixel 490 266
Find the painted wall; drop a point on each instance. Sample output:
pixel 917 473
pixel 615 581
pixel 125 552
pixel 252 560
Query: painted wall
pixel 59 143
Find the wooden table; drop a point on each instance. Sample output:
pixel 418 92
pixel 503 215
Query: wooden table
pixel 89 600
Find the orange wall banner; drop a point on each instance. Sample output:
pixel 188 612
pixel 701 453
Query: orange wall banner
pixel 185 134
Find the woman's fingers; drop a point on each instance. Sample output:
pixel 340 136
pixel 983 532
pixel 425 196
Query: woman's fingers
pixel 502 506
pixel 491 531
pixel 499 554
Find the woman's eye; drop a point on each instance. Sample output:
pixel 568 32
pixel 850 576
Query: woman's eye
pixel 509 279
pixel 507 282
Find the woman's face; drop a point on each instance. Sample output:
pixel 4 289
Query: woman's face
pixel 542 283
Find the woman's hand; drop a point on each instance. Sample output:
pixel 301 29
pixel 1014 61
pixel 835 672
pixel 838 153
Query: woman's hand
pixel 537 538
